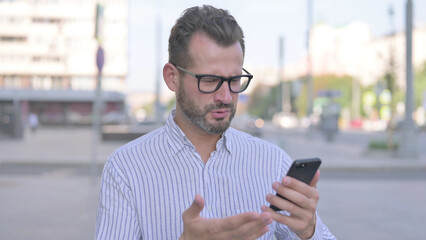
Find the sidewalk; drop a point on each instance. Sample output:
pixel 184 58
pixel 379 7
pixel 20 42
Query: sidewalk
pixel 73 146
pixel 56 145
pixel 349 151
pixel 47 192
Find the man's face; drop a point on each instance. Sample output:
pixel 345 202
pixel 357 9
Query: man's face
pixel 211 112
pixel 198 114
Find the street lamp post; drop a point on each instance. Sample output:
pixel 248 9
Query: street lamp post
pixel 285 86
pixel 97 101
pixel 408 145
pixel 97 110
pixel 309 61
pixel 157 106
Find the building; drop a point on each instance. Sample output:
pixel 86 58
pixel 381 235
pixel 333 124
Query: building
pixel 352 50
pixel 48 60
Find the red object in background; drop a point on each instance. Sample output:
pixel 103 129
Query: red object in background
pixel 356 124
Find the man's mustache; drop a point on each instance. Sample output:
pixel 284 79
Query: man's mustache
pixel 220 106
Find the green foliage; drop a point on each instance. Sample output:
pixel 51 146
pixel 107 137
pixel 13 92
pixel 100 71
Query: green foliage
pixel 171 104
pixel 149 108
pixel 381 145
pixel 342 84
pixel 420 86
pixel 301 101
pixel 399 94
pixel 263 101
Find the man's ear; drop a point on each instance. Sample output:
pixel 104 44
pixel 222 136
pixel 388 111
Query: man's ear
pixel 171 76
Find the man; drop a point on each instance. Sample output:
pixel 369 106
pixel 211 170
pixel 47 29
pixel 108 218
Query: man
pixel 33 121
pixel 197 178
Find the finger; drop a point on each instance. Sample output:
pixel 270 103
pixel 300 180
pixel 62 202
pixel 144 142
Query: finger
pixel 299 225
pixel 255 227
pixel 315 179
pixel 286 191
pixel 289 204
pixel 249 226
pixel 299 186
pixel 234 222
pixel 267 220
pixel 306 197
pixel 288 220
pixel 195 209
pixel 279 217
pixel 250 231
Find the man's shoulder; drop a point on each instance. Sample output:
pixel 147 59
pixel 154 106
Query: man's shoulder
pixel 139 143
pixel 135 154
pixel 259 147
pixel 240 136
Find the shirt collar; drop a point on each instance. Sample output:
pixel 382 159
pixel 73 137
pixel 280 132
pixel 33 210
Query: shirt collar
pixel 226 140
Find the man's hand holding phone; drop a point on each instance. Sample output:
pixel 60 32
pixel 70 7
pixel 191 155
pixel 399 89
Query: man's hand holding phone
pixel 297 198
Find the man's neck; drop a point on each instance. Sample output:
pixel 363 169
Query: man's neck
pixel 204 143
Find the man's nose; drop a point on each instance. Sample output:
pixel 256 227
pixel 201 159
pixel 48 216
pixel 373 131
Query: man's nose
pixel 223 94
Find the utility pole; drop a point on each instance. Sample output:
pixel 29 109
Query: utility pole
pixel 97 101
pixel 390 79
pixel 309 62
pixel 285 86
pixel 158 108
pixel 407 147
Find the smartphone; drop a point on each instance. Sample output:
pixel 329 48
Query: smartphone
pixel 303 170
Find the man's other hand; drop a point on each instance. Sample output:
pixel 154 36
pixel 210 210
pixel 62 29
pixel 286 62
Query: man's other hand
pixel 250 225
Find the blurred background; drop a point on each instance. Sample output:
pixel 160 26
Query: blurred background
pixel 340 80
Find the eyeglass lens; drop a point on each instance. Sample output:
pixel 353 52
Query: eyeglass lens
pixel 211 83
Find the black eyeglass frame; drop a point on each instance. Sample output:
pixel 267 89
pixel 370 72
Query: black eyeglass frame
pixel 222 79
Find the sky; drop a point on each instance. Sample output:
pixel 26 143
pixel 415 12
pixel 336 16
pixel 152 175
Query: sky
pixel 263 23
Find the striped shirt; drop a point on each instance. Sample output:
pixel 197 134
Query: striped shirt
pixel 148 183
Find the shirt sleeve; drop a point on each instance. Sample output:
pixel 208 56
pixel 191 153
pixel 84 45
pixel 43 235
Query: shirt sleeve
pixel 321 232
pixel 116 218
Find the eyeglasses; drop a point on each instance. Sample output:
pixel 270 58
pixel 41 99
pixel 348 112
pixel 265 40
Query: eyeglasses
pixel 210 83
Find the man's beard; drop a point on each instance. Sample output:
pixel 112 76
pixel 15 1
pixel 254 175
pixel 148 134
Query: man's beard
pixel 197 116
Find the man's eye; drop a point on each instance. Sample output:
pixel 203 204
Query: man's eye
pixel 236 79
pixel 210 79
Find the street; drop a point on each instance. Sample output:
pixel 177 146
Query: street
pixel 374 205
pixel 41 202
pixel 59 202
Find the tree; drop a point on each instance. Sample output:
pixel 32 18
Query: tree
pixel 263 101
pixel 343 84
pixel 420 86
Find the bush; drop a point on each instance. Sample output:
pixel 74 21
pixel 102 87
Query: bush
pixel 381 145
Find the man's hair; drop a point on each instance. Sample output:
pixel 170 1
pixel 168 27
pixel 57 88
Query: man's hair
pixel 216 23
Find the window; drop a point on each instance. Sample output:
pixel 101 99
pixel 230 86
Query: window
pixel 41 83
pixel 4 38
pixel 46 59
pixel 46 20
pixel 12 82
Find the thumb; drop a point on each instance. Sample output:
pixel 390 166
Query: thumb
pixel 315 179
pixel 195 209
